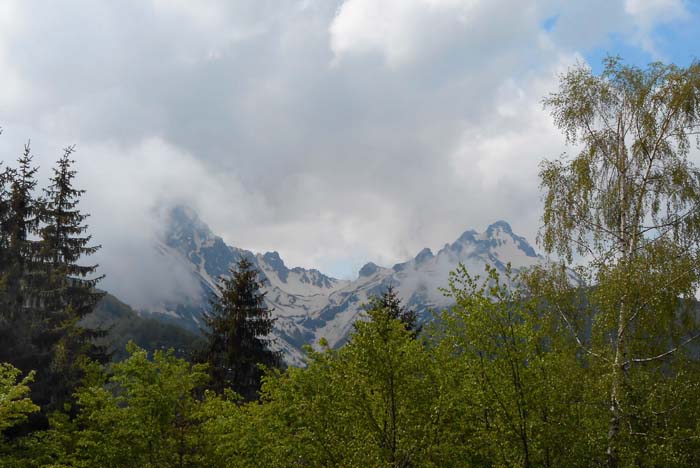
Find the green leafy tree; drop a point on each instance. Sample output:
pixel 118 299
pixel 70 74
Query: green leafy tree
pixel 15 403
pixel 377 401
pixel 527 398
pixel 629 202
pixel 145 414
pixel 237 332
pixel 150 412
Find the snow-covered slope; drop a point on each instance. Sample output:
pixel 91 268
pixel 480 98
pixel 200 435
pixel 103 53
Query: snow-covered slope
pixel 309 305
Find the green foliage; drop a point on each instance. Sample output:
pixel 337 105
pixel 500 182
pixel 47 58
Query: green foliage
pixel 381 400
pixel 631 178
pixel 15 403
pixel 147 413
pixel 144 416
pixel 528 405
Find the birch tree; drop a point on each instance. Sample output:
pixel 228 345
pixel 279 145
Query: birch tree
pixel 629 202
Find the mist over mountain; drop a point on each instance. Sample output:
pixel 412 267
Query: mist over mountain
pixel 308 304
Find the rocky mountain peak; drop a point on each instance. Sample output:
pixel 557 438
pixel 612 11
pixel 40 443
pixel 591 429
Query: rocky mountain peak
pixel 274 260
pixel 368 269
pixel 501 225
pixel 423 255
pixel 184 230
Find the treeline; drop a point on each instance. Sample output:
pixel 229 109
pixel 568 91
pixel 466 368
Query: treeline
pixel 44 291
pixel 556 366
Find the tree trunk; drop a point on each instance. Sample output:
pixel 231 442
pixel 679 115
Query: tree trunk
pixel 616 387
pixel 626 250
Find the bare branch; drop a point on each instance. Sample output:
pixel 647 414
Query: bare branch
pixel 578 340
pixel 663 355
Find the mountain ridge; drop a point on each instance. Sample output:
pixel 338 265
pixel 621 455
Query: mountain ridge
pixel 309 305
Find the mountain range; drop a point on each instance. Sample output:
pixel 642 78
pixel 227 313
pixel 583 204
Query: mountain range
pixel 309 305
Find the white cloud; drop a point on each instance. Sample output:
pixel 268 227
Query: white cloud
pixel 405 30
pixel 650 12
pixel 397 29
pixel 647 14
pixel 11 87
pixel 428 124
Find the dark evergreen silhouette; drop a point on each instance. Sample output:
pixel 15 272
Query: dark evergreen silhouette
pixel 68 288
pixel 389 305
pixel 20 266
pixel 44 292
pixel 237 331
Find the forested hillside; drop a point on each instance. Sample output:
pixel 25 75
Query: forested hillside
pixel 529 368
pixel 123 325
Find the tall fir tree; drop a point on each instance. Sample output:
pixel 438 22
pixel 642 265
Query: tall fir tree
pixel 5 183
pixel 237 333
pixel 44 293
pixel 68 288
pixel 389 305
pixel 19 222
pixel 7 337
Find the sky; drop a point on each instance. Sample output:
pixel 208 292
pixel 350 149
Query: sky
pixel 335 132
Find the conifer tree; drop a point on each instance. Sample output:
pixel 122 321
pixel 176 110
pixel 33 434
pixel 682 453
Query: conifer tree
pixel 237 332
pixel 5 182
pixel 389 305
pixel 68 289
pixel 44 293
pixel 6 333
pixel 22 221
pixel 20 218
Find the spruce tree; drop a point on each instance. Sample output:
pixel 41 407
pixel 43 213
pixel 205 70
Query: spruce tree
pixel 237 332
pixel 18 273
pixel 68 289
pixel 5 182
pixel 21 223
pixel 389 306
pixel 44 293
pixel 6 177
pixel 7 337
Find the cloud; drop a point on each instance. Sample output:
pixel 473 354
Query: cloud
pixel 403 31
pixel 335 132
pixel 398 29
pixel 11 86
pixel 650 12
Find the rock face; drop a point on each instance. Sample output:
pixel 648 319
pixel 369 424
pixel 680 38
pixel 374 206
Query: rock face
pixel 309 305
